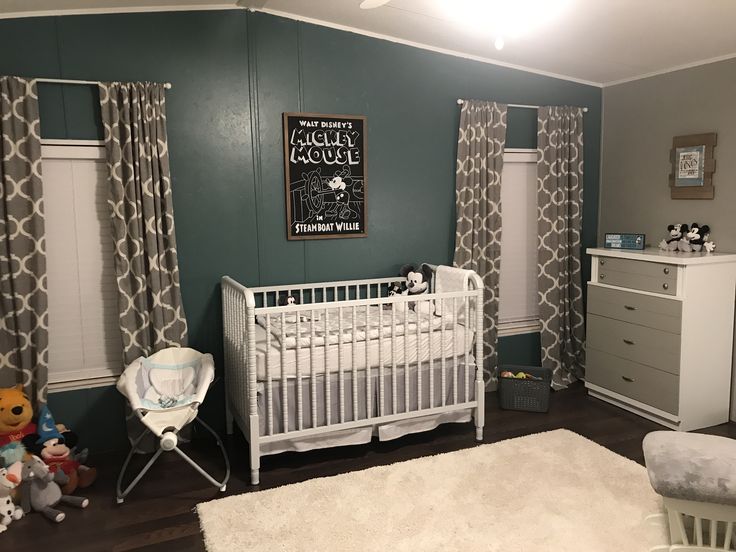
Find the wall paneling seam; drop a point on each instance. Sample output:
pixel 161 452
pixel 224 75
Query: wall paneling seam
pixel 252 60
pixel 60 73
pixel 300 78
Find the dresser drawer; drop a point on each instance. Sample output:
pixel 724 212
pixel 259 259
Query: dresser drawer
pixel 643 275
pixel 630 379
pixel 654 312
pixel 644 345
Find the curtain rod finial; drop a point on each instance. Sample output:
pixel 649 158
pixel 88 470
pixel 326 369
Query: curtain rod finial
pixel 167 86
pixel 460 102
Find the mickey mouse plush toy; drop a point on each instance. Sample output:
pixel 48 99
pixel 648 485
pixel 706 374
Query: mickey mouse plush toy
pixel 56 450
pixel 699 238
pixel 418 282
pixel 676 233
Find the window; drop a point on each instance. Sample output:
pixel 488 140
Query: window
pixel 518 302
pixel 84 339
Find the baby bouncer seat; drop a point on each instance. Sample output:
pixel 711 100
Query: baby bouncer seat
pixel 164 391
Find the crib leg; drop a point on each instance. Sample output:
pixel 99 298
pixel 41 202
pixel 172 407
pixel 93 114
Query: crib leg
pixel 254 449
pixel 480 410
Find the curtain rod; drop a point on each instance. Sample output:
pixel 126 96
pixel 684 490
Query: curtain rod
pixel 524 106
pixel 167 85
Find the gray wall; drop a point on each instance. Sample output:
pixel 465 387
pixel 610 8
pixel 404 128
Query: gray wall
pixel 640 118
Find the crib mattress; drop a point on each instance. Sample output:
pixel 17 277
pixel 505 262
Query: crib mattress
pixel 456 341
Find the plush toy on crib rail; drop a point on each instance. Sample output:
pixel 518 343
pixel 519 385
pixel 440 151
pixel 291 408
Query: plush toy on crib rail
pixel 418 282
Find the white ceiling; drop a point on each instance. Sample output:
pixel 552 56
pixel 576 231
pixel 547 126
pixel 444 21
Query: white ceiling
pixel 594 41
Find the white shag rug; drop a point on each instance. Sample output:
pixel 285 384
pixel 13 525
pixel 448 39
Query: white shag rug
pixel 552 492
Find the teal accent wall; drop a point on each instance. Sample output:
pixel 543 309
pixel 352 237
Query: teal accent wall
pixel 234 73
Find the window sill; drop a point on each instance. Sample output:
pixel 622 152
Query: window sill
pixel 518 327
pixel 88 383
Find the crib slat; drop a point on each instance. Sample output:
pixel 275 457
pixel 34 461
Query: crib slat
pixel 284 386
pixel 269 377
pixel 327 373
pixel 393 359
pixel 430 336
pixel 406 356
pixel 419 352
pixel 381 385
pixel 466 348
pixel 713 533
pixel 354 362
pixel 698 531
pixel 299 397
pixel 341 377
pixel 312 377
pixel 368 401
pixel 443 337
pixel 454 353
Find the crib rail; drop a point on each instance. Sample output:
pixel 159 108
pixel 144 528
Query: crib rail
pixel 341 340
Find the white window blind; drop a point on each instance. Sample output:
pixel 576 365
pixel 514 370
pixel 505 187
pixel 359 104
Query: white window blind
pixel 518 301
pixel 84 339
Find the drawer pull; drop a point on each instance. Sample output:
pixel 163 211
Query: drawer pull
pixel 628 342
pixel 630 380
pixel 602 276
pixel 603 262
pixel 665 286
pixel 666 270
pixel 629 307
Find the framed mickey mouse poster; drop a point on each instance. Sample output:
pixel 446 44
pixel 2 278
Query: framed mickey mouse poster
pixel 326 172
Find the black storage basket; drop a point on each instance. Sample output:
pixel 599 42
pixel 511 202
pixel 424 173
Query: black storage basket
pixel 525 394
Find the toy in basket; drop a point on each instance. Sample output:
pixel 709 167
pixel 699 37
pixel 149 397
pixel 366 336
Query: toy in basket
pixel 524 388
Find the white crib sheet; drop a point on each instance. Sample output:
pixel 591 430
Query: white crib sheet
pixel 373 322
pixel 456 340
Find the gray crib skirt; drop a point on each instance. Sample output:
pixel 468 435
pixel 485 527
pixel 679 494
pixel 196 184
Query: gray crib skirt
pixel 364 403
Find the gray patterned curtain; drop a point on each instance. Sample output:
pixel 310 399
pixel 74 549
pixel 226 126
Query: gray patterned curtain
pixel 480 147
pixel 560 207
pixel 23 299
pixel 146 265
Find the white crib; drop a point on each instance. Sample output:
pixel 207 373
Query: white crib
pixel 348 362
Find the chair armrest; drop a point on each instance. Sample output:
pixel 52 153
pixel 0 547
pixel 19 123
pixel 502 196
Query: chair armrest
pixel 205 377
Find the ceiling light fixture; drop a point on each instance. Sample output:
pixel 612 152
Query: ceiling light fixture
pixel 371 4
pixel 509 19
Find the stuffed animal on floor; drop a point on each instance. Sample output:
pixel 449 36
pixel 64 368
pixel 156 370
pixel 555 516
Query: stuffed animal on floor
pixel 417 283
pixel 15 415
pixel 41 491
pixel 55 448
pixel 9 512
pixel 676 233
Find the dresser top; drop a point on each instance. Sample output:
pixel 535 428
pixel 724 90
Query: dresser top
pixel 654 254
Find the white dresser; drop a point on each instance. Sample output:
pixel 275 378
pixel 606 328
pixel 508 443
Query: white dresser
pixel 660 333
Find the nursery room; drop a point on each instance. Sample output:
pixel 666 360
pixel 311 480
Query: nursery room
pixel 367 275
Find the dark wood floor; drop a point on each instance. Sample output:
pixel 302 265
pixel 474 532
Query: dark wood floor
pixel 159 514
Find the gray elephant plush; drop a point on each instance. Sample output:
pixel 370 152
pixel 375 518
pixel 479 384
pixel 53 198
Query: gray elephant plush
pixel 42 492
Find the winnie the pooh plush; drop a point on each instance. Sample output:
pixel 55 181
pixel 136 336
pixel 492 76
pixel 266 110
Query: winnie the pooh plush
pixel 15 415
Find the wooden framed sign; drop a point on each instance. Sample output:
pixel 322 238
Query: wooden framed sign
pixel 693 165
pixel 325 170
